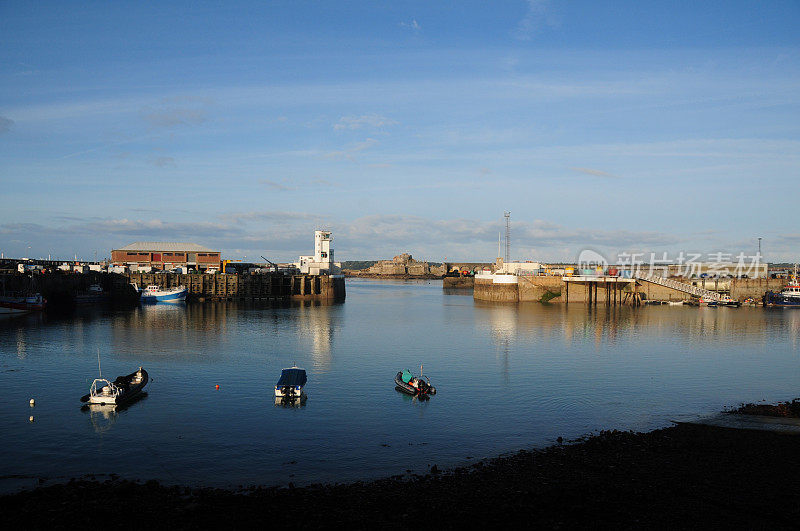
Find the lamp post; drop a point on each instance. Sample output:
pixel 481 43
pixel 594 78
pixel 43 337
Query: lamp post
pixel 759 246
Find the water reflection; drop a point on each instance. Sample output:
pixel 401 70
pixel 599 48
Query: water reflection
pixel 601 324
pixel 291 403
pixel 316 322
pixel 103 416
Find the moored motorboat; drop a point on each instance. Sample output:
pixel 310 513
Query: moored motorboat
pixel 788 297
pixel 729 301
pixel 21 304
pixel 290 384
pixel 159 294
pixel 407 383
pixel 120 391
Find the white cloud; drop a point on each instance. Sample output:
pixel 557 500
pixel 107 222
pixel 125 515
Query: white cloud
pixel 413 25
pixel 536 17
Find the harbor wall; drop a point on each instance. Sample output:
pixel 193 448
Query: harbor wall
pixel 62 289
pixel 485 290
pixel 458 282
pixel 554 289
pixel 742 288
pixel 268 286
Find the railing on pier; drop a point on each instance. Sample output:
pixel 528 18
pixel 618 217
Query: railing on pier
pixel 679 286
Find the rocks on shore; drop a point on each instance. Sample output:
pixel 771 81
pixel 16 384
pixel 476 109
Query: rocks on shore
pixel 686 475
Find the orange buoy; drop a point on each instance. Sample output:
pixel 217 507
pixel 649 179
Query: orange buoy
pixel 217 387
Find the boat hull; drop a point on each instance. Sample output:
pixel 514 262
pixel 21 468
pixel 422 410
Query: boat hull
pixel 409 389
pixel 21 305
pixel 780 300
pixel 129 390
pixel 165 296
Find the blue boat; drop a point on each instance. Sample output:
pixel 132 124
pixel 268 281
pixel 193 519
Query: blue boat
pixel 158 294
pixel 789 297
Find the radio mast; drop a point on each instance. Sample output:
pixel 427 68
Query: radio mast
pixel 508 235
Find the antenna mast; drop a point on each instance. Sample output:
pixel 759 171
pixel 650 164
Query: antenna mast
pixel 508 234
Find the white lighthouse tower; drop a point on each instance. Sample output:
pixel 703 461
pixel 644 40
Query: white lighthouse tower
pixel 322 262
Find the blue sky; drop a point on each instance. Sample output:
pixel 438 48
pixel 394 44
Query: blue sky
pixel 401 127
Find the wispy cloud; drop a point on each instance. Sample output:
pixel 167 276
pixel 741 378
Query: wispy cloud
pixel 365 120
pixel 596 173
pixel 351 152
pixel 5 124
pixel 413 25
pixel 163 162
pixel 173 113
pixel 536 17
pixel 274 185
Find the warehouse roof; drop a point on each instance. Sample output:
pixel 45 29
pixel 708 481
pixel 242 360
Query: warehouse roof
pixel 165 246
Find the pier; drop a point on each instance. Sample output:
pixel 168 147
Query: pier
pixel 266 286
pixel 61 289
pixel 609 290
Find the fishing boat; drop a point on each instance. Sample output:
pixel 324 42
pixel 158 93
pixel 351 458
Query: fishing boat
pixel 729 301
pixel 21 304
pixel 120 391
pixel 409 384
pixel 788 297
pixel 291 383
pixel 711 303
pixel 159 294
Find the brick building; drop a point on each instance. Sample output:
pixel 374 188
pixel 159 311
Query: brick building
pixel 166 256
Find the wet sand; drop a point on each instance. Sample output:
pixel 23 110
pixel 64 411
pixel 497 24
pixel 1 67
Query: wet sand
pixel 682 476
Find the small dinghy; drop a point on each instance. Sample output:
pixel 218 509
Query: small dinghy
pixel 120 391
pixel 290 384
pixel 411 385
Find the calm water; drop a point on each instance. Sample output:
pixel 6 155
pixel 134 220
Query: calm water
pixel 509 377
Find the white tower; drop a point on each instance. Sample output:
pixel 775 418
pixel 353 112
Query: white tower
pixel 321 262
pixel 323 254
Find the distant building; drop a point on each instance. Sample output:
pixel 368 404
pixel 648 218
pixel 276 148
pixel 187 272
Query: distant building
pixel 518 268
pixel 402 264
pixel 165 256
pixel 321 263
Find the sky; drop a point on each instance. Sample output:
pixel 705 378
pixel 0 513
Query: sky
pixel 619 127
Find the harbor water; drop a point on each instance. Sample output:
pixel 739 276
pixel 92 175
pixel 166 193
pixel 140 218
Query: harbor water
pixel 508 377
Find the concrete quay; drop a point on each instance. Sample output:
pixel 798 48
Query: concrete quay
pixel 63 289
pixel 608 290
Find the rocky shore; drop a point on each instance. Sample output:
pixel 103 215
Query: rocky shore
pixel 685 476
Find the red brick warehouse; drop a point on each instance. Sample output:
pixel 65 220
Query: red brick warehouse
pixel 166 256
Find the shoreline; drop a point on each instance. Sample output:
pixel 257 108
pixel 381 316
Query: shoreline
pixel 683 475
